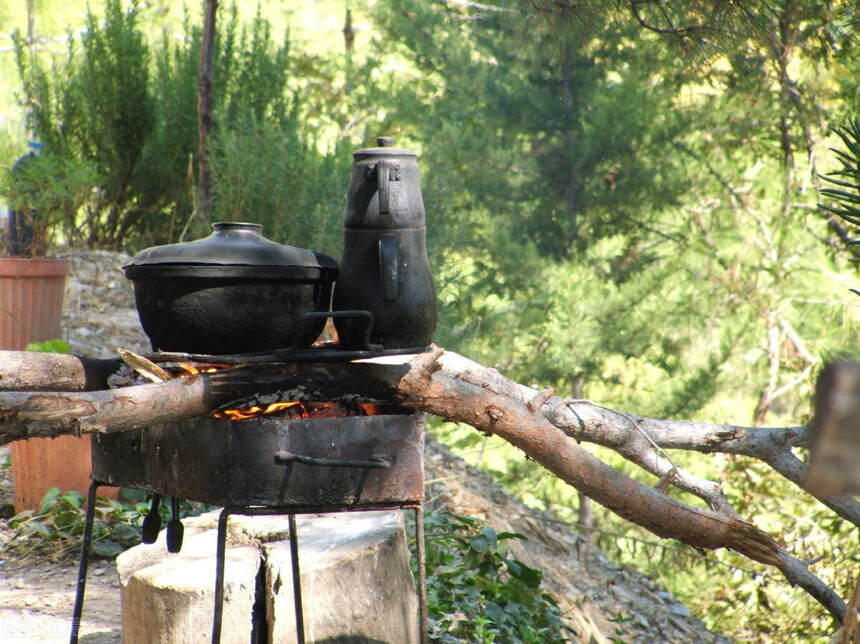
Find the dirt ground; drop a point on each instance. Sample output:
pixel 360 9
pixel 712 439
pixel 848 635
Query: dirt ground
pixel 37 595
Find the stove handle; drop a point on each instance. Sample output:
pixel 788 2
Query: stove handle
pixel 364 327
pixel 377 461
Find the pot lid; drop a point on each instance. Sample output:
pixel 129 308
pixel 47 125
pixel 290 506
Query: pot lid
pixel 231 244
pixel 384 149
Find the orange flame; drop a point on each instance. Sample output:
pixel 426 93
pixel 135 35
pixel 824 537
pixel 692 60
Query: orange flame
pixel 255 411
pixel 295 409
pixel 371 409
pixel 191 369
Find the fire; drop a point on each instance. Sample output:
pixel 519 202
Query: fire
pixel 298 410
pixel 293 409
pixel 371 409
pixel 256 411
pixel 190 369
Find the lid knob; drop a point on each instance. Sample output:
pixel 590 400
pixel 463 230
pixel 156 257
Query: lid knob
pixel 384 141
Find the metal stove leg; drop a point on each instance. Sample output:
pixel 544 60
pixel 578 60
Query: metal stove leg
pixel 220 551
pixel 423 617
pixel 82 567
pixel 297 583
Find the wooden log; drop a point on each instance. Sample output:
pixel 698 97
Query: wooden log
pixel 31 371
pixel 48 414
pixel 29 414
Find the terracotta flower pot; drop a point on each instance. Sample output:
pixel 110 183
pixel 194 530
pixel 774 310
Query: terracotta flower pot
pixel 31 306
pixel 31 300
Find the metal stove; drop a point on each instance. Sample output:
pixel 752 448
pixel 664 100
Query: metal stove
pixel 265 465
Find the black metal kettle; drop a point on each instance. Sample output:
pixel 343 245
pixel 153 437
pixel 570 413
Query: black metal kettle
pixel 384 268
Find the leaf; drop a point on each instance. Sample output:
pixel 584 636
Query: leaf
pixel 49 500
pixel 50 346
pixel 39 528
pixel 491 536
pixel 72 498
pixel 531 577
pixel 23 515
pixel 494 612
pixel 107 548
pixel 480 543
pixel 125 532
pixel 829 178
pixel 840 194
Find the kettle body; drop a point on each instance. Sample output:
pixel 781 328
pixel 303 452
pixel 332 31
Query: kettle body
pixel 384 269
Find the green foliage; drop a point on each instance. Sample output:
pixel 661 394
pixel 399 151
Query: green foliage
pixel 46 192
pixel 50 346
pixel 477 592
pixel 620 214
pixel 698 290
pixel 118 117
pixel 96 107
pixel 564 158
pixel 845 192
pixel 267 173
pixel 58 524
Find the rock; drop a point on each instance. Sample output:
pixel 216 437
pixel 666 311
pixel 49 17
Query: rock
pixel 355 575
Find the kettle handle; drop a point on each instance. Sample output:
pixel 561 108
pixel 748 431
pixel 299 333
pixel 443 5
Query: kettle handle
pixel 382 176
pixel 389 261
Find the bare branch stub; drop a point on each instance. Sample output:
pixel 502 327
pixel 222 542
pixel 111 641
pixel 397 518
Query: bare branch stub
pixel 835 446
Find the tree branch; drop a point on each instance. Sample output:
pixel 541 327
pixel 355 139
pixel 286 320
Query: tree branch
pixel 623 432
pixel 444 384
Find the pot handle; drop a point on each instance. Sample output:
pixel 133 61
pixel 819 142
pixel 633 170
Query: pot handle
pixel 389 261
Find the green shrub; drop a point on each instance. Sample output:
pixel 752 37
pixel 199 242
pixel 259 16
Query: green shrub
pixel 266 173
pixel 124 110
pixel 477 592
pixel 58 525
pixel 47 192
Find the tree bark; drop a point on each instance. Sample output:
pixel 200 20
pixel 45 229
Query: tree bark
pixel 204 105
pixel 29 371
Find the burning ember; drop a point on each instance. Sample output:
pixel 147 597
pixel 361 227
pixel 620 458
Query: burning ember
pixel 293 409
pixel 190 369
pixel 256 411
pixel 298 410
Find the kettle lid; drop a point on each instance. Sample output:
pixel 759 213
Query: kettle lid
pixel 384 148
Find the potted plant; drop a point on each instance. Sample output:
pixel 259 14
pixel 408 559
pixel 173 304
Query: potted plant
pixel 43 194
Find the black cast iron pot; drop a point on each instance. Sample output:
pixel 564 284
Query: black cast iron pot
pixel 231 292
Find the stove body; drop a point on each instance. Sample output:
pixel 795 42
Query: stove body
pixel 346 462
